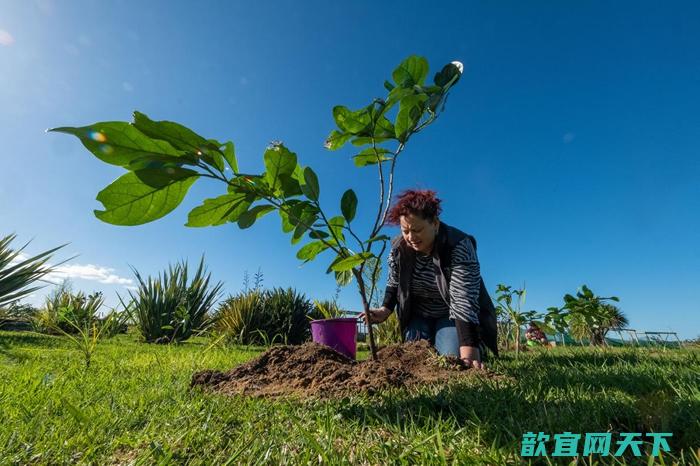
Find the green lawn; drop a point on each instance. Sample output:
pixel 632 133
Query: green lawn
pixel 134 406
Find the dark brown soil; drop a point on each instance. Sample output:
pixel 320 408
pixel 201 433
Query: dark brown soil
pixel 316 370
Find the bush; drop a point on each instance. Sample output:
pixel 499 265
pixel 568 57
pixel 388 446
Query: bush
pixel 169 309
pixel 64 311
pixel 260 317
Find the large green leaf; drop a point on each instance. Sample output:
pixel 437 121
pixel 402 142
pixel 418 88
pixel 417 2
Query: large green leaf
pixel 410 112
pixel 145 195
pixel 179 136
pixel 411 71
pixel 348 205
pixel 336 140
pixel 349 121
pixel 119 143
pixel 349 262
pixel 248 218
pixel 371 156
pixel 310 187
pixel 336 225
pixel 311 250
pixel 230 156
pixel 219 210
pixel 278 161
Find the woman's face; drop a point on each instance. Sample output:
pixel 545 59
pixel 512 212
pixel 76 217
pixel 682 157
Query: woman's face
pixel 418 232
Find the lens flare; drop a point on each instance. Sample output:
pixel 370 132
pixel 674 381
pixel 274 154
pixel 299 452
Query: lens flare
pixel 97 136
pixel 106 148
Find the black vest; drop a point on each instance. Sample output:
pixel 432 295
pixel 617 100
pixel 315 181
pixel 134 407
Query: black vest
pixel 447 238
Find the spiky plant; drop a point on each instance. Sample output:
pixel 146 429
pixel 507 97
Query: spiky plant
pixel 169 308
pixel 17 273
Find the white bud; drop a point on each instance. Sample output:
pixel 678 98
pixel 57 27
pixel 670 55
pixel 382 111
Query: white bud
pixel 459 66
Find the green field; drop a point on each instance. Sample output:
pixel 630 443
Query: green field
pixel 134 406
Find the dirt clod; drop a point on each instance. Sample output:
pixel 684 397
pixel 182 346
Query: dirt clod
pixel 316 370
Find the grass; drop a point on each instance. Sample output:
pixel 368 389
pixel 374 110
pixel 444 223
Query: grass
pixel 134 406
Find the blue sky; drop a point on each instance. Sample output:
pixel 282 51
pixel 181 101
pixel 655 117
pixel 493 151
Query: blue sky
pixel 569 148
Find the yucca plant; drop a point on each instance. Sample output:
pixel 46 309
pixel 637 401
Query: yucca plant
pixel 260 317
pixel 325 309
pixel 17 274
pixel 238 318
pixel 169 308
pixel 285 313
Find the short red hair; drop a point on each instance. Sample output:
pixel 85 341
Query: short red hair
pixel 421 202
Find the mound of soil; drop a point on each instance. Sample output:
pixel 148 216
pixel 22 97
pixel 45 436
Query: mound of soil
pixel 315 370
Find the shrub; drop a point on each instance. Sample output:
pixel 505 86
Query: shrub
pixel 259 317
pixel 65 311
pixel 169 309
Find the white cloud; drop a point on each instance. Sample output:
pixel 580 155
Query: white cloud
pixel 6 38
pixel 91 272
pixel 104 275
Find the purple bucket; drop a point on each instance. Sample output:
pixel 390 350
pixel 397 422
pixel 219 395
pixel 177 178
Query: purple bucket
pixel 340 334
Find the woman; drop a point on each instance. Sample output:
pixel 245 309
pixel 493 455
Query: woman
pixel 434 279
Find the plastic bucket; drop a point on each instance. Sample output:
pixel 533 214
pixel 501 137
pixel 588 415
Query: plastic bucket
pixel 340 334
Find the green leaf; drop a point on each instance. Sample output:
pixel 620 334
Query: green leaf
pixel 219 210
pixel 248 218
pixel 349 262
pixel 278 161
pixel 143 196
pixel 230 156
pixel 371 156
pixel 318 234
pixel 397 94
pixel 310 187
pixel 349 121
pixel 348 205
pixel 311 250
pixel 119 143
pixel 377 238
pixel 384 129
pixel 363 140
pixel 411 71
pixel 179 136
pixel 336 225
pixel 287 226
pixel 388 86
pixel 336 140
pixel 410 112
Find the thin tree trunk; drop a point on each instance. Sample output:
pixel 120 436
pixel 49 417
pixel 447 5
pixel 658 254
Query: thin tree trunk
pixel 365 305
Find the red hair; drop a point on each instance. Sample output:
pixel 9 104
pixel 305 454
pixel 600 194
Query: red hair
pixel 421 202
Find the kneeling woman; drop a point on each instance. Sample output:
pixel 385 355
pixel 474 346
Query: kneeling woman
pixel 434 278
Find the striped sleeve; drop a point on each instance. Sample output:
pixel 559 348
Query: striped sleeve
pixel 393 279
pixel 465 281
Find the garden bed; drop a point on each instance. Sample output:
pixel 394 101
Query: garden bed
pixel 315 370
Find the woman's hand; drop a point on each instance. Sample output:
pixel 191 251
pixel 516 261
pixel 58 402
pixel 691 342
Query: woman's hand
pixel 376 316
pixel 471 357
